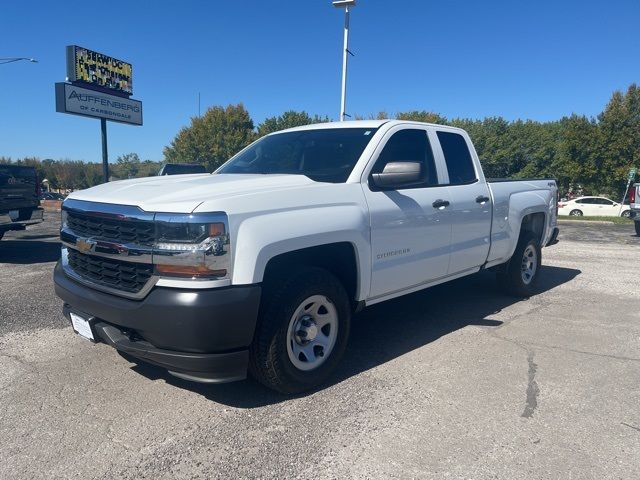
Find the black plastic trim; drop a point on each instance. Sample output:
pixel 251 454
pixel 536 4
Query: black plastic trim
pixel 203 367
pixel 196 321
pixel 554 237
pixel 503 180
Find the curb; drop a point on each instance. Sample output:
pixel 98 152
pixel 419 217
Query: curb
pixel 585 222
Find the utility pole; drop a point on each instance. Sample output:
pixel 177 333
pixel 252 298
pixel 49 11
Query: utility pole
pixel 345 53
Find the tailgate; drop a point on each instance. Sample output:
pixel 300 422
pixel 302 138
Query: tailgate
pixel 17 187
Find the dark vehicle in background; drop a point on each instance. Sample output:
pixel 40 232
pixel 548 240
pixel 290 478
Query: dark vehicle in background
pixel 19 198
pixel 52 196
pixel 181 169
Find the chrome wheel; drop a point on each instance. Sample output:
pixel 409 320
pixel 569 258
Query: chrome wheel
pixel 626 214
pixel 575 213
pixel 312 332
pixel 529 264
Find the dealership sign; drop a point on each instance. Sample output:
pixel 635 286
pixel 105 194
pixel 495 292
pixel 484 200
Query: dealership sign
pixel 91 103
pixel 98 86
pixel 98 71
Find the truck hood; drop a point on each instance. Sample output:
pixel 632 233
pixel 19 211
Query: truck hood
pixel 183 193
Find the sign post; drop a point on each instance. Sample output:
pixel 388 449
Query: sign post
pixel 630 178
pixel 105 154
pixel 100 87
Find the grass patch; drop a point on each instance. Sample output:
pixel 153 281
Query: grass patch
pixel 616 220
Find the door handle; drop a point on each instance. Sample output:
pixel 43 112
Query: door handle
pixel 482 199
pixel 440 204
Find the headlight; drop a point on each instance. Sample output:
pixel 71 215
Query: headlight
pixel 194 246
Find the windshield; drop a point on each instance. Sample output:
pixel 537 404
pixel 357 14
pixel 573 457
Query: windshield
pixel 323 155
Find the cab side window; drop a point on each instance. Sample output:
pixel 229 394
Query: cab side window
pixel 409 145
pixel 458 158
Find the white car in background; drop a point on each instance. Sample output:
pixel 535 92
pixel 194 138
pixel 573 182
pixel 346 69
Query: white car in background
pixel 593 207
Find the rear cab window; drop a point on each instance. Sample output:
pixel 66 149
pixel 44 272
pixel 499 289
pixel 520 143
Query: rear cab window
pixel 457 158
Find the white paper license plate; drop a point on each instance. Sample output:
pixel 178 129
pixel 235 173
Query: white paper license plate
pixel 81 325
pixel 14 214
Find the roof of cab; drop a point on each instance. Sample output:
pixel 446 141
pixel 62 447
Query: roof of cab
pixel 358 124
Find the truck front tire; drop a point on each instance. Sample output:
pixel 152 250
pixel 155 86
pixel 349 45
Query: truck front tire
pixel 302 331
pixel 519 276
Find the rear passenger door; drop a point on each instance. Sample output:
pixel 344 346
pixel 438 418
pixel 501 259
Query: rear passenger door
pixel 471 207
pixel 410 226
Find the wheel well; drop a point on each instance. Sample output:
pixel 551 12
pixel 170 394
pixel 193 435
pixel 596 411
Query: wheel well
pixel 534 222
pixel 337 258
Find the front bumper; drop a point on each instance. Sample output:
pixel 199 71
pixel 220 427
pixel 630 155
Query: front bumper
pixel 201 335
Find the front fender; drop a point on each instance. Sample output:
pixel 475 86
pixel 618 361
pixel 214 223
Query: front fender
pixel 260 238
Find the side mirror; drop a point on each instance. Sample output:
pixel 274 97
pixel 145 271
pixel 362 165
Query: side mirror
pixel 398 174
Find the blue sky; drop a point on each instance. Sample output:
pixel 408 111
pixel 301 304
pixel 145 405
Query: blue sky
pixel 539 60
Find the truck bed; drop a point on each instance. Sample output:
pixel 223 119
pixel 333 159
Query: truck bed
pixel 523 196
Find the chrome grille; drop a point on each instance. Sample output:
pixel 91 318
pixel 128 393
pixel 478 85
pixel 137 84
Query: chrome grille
pixel 111 229
pixel 124 276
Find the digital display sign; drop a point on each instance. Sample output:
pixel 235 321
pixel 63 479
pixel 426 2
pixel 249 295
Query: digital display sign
pixel 99 71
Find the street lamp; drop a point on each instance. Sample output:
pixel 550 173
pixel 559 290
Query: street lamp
pixel 343 99
pixel 17 59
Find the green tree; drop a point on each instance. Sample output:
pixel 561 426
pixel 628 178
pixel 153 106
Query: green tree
pixel 127 165
pixel 381 115
pixel 619 140
pixel 149 168
pixel 213 138
pixel 422 116
pixel 288 119
pixel 575 163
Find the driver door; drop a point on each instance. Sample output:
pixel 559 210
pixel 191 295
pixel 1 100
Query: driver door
pixel 411 226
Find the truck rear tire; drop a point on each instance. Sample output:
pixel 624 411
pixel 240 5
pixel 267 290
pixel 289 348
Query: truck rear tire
pixel 520 274
pixel 302 331
pixel 637 225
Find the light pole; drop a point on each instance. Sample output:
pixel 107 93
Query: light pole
pixel 343 99
pixel 17 59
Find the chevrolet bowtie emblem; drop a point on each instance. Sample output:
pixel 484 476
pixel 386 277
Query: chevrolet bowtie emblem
pixel 85 245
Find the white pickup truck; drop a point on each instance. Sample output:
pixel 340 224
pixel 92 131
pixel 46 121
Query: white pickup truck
pixel 259 266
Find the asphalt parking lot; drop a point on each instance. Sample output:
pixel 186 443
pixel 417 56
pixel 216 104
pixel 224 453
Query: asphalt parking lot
pixel 458 381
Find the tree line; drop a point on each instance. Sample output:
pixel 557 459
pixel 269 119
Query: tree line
pixel 587 155
pixel 77 174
